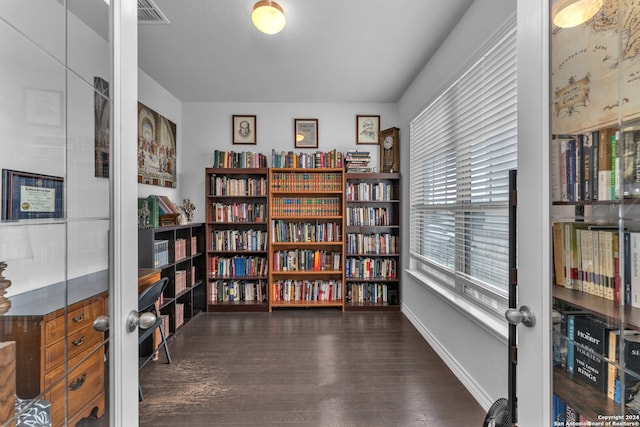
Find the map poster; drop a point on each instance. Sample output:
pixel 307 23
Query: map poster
pixel 595 70
pixel 156 148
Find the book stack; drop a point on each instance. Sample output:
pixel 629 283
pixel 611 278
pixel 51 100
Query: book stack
pixel 232 159
pixel 180 249
pixel 319 159
pixel 179 315
pixel 357 161
pixel 181 281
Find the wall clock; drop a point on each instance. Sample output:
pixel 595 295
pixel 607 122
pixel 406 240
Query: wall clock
pixel 390 150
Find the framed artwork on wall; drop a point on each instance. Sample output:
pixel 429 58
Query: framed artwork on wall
pixel 43 107
pixel 27 195
pixel 367 129
pixel 243 128
pixel 101 126
pixel 306 133
pixel 156 148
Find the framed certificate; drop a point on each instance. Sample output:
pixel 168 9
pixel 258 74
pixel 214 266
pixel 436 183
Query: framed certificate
pixel 28 195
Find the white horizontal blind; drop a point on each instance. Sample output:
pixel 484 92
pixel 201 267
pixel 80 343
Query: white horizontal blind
pixel 462 148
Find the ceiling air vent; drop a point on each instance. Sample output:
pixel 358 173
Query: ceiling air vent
pixel 148 13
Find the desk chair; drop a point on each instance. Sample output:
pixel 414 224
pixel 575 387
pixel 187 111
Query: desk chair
pixel 147 303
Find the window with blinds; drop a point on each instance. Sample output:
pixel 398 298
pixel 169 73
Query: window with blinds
pixel 462 148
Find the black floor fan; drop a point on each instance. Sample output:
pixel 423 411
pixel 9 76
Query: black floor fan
pixel 503 411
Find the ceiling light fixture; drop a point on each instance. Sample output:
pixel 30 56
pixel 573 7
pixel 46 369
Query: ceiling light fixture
pixel 268 17
pixel 571 13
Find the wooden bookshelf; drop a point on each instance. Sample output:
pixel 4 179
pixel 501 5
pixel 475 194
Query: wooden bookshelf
pixel 306 250
pixel 182 260
pixel 236 239
pixel 372 243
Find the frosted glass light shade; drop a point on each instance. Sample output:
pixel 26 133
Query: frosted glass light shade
pixel 268 17
pixel 571 13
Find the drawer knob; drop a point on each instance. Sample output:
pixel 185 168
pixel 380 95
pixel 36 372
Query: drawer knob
pixel 78 382
pixel 79 318
pixel 79 341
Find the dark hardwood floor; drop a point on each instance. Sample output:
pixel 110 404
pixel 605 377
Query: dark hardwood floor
pixel 306 368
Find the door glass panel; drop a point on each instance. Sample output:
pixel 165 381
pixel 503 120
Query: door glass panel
pixel 54 230
pixel 595 189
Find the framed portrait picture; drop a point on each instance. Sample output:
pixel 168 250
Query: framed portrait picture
pixel 306 133
pixel 367 129
pixel 27 195
pixel 244 129
pixel 43 107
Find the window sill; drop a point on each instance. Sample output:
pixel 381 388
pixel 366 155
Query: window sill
pixel 492 324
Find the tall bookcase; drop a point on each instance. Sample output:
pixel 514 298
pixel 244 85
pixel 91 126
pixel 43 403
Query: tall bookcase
pixel 237 239
pixel 372 244
pixel 595 229
pixel 306 250
pixel 178 252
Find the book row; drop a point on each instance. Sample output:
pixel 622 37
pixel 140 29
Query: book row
pixel 367 216
pixel 232 159
pixel 304 232
pixel 368 292
pixel 588 348
pixel 371 268
pixel 239 240
pixel 238 290
pixel 586 259
pixel 222 185
pixel 371 244
pixel 365 191
pixel 180 249
pixel 239 212
pixel 160 253
pixel 319 159
pixel 600 165
pixel 237 266
pixel 565 414
pixel 590 259
pixel 306 260
pixel 296 181
pixel 306 206
pixel 307 290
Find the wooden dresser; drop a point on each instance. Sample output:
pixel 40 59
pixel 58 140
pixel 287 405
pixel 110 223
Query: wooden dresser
pixel 37 322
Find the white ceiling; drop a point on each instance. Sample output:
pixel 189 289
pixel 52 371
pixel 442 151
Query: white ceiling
pixel 330 50
pixel 337 51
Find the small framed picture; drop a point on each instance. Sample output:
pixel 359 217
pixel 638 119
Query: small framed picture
pixel 244 129
pixel 306 133
pixel 367 129
pixel 43 107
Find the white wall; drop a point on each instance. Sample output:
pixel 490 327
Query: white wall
pixel 207 127
pixel 476 356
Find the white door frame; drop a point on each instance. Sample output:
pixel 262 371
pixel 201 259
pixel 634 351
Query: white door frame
pixel 123 296
pixel 534 371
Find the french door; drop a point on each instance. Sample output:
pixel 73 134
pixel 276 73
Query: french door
pixel 68 85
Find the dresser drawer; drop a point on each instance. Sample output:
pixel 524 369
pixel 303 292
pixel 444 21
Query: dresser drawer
pixel 78 318
pixel 77 343
pixel 86 381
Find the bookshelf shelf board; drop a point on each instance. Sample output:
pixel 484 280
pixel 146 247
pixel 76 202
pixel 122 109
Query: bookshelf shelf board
pixel 306 272
pixel 598 306
pixel 304 244
pixel 305 217
pixel 590 404
pixel 235 224
pixel 237 252
pixel 305 192
pixel 365 306
pixel 238 306
pixel 307 303
pixel 237 278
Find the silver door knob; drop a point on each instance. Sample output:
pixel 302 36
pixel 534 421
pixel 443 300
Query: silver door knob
pixel 144 321
pixel 524 315
pixel 101 324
